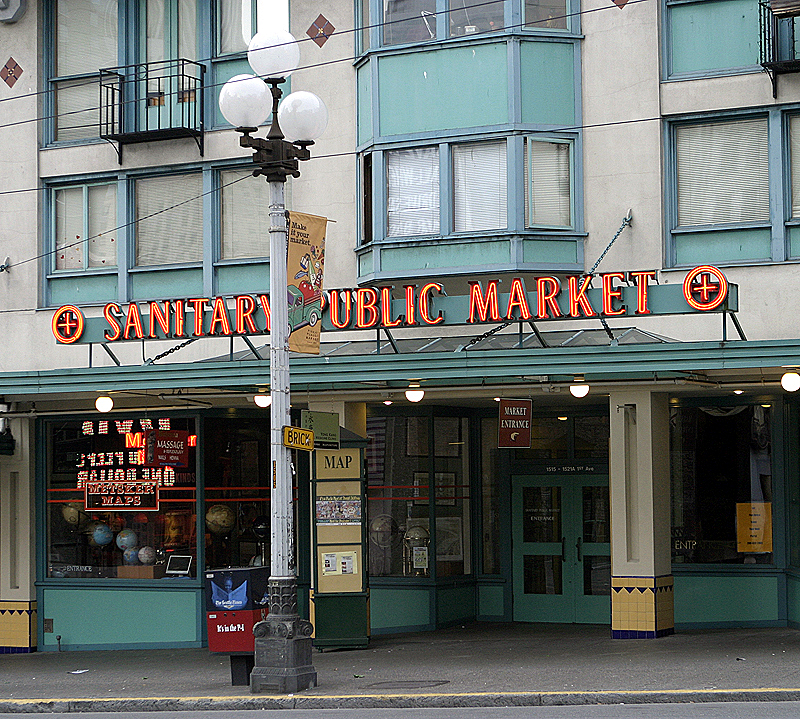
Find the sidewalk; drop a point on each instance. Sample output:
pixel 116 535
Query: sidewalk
pixel 474 665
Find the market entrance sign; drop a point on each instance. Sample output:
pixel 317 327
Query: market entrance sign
pixel 616 294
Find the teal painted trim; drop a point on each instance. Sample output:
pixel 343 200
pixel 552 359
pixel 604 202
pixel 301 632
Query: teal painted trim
pixel 490 601
pixel 443 254
pixel 689 626
pixel 86 288
pixel 711 247
pixel 515 154
pixel 125 239
pixel 156 283
pixel 364 103
pixel 794 242
pixel 778 149
pixel 456 86
pixel 547 74
pixel 712 36
pixel 703 599
pixel 399 609
pixel 446 207
pixel 551 251
pixel 40 517
pixel 223 70
pixel 793 599
pixel 242 278
pixel 110 647
pixel 366 264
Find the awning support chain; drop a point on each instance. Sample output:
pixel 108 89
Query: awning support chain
pixel 169 351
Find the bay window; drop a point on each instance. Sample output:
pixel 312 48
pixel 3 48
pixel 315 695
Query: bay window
pixel 548 183
pixel 413 192
pixel 480 186
pixel 85 226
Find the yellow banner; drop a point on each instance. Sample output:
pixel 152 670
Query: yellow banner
pixel 306 262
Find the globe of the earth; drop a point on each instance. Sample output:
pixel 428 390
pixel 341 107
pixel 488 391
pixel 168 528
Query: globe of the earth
pixel 126 539
pixel 74 515
pixel 261 526
pixel 220 519
pixel 131 555
pixel 147 555
pixel 102 534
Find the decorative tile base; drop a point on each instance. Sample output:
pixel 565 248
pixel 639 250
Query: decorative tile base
pixel 642 607
pixel 17 627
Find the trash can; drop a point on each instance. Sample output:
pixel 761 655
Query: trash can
pixel 236 598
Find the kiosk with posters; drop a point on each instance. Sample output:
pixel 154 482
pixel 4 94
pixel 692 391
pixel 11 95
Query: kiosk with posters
pixel 340 597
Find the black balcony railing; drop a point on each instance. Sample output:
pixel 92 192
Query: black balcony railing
pixel 152 101
pixel 777 44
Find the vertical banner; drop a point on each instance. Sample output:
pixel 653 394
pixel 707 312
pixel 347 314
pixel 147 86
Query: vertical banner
pixel 515 423
pixel 306 262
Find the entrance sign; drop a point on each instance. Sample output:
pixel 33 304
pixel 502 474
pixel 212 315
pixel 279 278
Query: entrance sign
pixel 617 294
pixel 515 423
pixel 306 263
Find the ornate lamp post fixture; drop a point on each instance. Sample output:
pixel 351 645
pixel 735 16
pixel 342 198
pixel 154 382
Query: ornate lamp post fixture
pixel 283 640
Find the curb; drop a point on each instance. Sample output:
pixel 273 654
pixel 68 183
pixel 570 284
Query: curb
pixel 394 701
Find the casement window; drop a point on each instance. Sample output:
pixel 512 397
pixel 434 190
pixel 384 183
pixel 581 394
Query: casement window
pixel 169 219
pixel 722 172
pixel 244 215
pixel 85 226
pixel 546 14
pixel 408 21
pixel 480 186
pixel 548 183
pixel 413 192
pixel 468 17
pixel 85 41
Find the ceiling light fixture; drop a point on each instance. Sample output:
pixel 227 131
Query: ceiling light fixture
pixel 414 393
pixel 790 381
pixel 262 399
pixel 104 404
pixel 580 388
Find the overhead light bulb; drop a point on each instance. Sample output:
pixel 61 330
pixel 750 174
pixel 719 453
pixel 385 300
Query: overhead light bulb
pixel 104 404
pixel 791 381
pixel 738 391
pixel 387 402
pixel 563 419
pixel 414 393
pixel 262 399
pixel 496 399
pixel 579 390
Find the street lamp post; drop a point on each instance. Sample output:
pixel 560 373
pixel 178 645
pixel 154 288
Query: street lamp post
pixel 283 640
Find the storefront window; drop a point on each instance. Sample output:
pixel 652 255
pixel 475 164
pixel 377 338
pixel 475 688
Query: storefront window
pixel 418 496
pixel 490 495
pixel 121 498
pixel 721 470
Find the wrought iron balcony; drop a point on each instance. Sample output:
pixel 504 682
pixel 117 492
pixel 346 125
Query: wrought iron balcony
pixel 779 53
pixel 152 101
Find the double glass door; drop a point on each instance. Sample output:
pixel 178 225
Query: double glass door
pixel 561 549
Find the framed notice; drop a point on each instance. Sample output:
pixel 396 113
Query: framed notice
pixel 754 527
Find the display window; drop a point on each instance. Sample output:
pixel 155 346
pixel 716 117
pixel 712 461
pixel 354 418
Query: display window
pixel 121 498
pixel 721 466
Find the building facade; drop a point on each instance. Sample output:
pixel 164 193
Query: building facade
pixel 523 196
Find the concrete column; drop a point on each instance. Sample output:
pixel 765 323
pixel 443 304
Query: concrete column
pixel 17 543
pixel 641 564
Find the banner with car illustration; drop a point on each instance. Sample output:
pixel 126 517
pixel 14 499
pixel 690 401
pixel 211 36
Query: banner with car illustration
pixel 306 262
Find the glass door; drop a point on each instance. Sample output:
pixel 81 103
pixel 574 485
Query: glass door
pixel 561 549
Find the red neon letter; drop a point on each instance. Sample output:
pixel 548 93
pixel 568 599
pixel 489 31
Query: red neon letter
pixel 484 305
pixel 180 318
pixel 366 304
pixel 198 304
pixel 116 330
pixel 578 299
pixel 134 322
pixel 611 293
pixel 642 280
pixel 245 306
pixel 220 317
pixel 410 316
pixel 712 293
pixel 424 298
pixel 264 300
pixel 547 289
pixel 347 297
pixel 67 324
pixel 161 318
pixel 517 298
pixel 386 309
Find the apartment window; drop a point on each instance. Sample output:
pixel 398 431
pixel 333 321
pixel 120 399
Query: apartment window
pixel 722 172
pixel 85 41
pixel 794 142
pixel 413 192
pixel 244 202
pixel 468 17
pixel 408 21
pixel 548 182
pixel 546 14
pixel 480 182
pixel 85 227
pixel 169 219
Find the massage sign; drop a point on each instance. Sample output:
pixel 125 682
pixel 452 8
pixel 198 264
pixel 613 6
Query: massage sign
pixel 607 295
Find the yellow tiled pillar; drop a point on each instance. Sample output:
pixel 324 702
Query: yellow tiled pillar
pixel 641 564
pixel 17 627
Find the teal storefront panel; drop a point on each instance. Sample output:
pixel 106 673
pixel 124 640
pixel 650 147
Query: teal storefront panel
pixel 443 254
pixel 455 604
pixel 167 283
pixel 713 36
pixel 83 290
pixel 793 599
pixel 550 251
pixel 707 599
pixel 490 601
pixel 547 80
pixel 396 609
pixel 443 89
pixel 364 77
pixel 87 617
pixel 794 241
pixel 243 279
pixel 698 248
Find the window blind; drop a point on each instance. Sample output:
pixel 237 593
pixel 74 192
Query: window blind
pixel 794 142
pixel 413 192
pixel 86 36
pixel 102 224
pixel 69 229
pixel 722 172
pixel 245 215
pixel 549 201
pixel 480 186
pixel 174 235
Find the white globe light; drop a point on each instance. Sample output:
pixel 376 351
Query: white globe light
pixel 273 53
pixel 245 101
pixel 302 116
pixel 579 390
pixel 104 404
pixel 414 393
pixel 790 381
pixel 262 400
